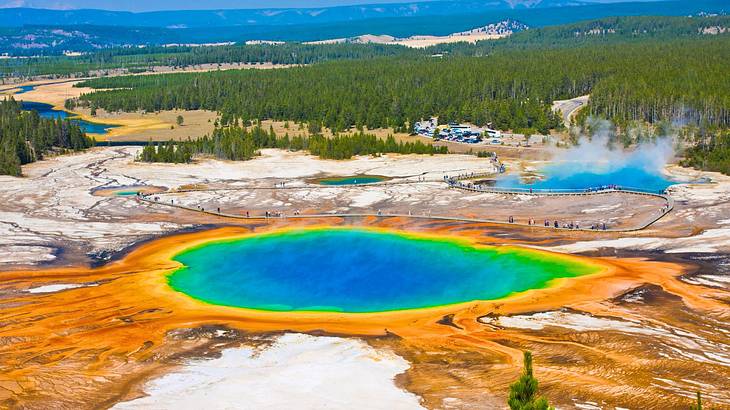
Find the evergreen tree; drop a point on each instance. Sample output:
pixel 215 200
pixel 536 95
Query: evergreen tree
pixel 594 33
pixel 698 405
pixel 239 144
pixel 9 161
pixel 26 137
pixel 648 81
pixel 523 393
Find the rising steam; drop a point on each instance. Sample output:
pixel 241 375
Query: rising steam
pixel 598 151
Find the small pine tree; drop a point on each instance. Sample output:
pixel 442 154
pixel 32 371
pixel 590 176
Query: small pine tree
pixel 180 120
pixel 698 405
pixel 523 393
pixel 9 162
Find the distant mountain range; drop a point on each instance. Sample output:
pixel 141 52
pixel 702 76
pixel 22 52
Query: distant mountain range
pixel 26 31
pixel 15 17
pixel 156 5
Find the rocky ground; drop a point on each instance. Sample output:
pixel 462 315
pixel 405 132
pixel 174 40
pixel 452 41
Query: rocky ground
pixel 55 213
pixel 648 346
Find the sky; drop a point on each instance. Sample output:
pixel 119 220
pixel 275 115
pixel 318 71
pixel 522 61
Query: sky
pixel 150 5
pixel 153 5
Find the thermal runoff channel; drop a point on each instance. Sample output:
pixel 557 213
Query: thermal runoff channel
pixel 47 111
pixel 355 270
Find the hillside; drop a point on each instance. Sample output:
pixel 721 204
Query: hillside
pixel 652 80
pixel 87 30
pixel 17 17
pixel 600 31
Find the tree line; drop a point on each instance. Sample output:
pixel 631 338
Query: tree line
pixel 25 137
pixel 712 153
pixel 596 32
pixel 650 80
pixel 140 59
pixel 685 82
pixel 388 92
pixel 240 144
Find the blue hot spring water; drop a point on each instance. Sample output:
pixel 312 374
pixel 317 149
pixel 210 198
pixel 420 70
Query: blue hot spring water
pixel 352 180
pixel 576 175
pixel 356 270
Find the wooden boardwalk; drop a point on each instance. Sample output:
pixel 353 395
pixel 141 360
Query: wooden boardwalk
pixel 152 199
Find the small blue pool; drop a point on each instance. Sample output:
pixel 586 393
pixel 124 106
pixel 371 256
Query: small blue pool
pixel 352 180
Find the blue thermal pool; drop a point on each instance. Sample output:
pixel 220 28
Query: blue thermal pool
pixel 358 270
pixel 24 89
pixel 126 190
pixel 352 180
pixel 47 111
pixel 126 193
pixel 581 176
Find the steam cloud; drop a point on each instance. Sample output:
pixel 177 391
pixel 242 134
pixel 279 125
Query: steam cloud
pixel 598 151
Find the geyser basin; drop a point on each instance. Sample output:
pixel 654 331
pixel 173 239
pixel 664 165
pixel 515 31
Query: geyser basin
pixel 576 175
pixel 358 270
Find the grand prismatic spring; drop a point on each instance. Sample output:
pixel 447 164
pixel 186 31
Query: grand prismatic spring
pixel 354 270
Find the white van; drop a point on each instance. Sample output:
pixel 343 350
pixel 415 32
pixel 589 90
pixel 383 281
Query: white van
pixel 493 133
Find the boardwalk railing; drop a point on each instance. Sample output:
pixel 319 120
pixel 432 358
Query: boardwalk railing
pixel 457 182
pixel 155 199
pixel 528 191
